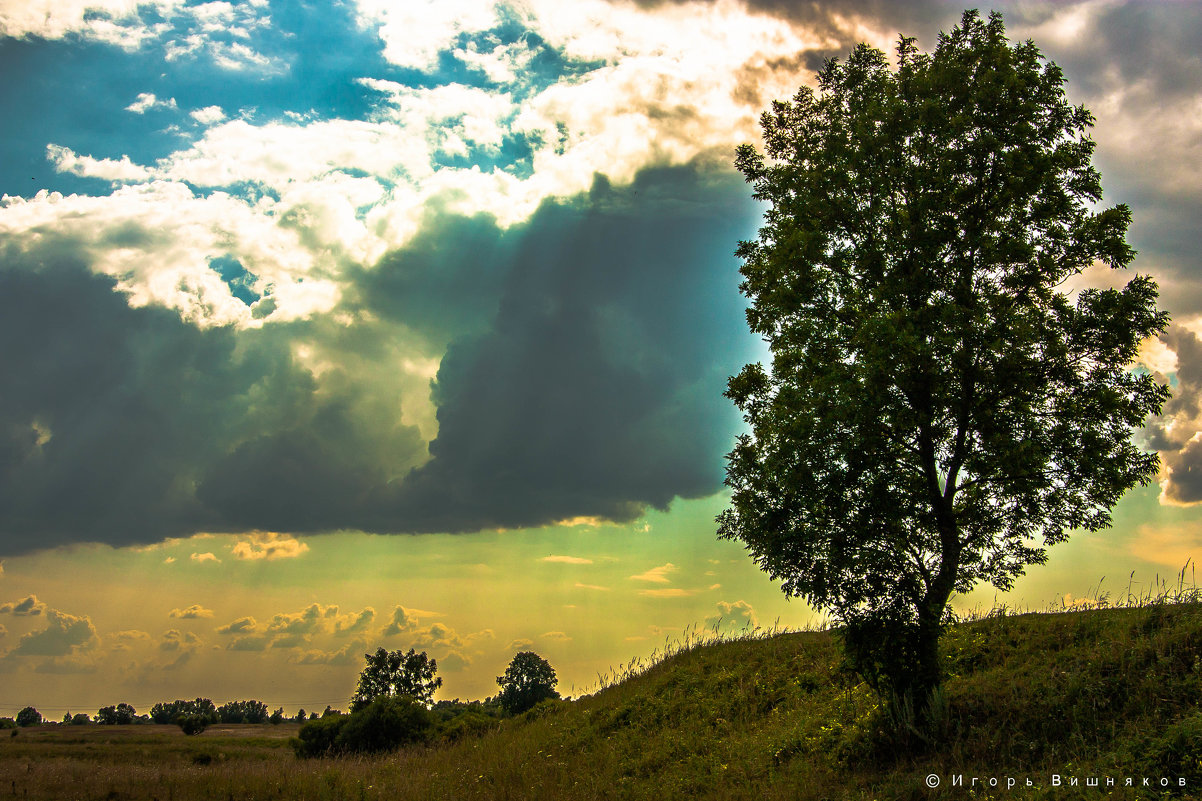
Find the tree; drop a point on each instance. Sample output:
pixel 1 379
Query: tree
pixel 396 673
pixel 174 711
pixel 242 712
pixel 937 409
pixel 528 680
pixel 29 717
pixel 121 714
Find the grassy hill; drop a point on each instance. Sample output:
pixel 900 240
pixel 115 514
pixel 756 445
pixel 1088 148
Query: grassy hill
pixel 1082 695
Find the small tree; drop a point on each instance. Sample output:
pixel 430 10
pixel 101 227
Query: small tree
pixel 29 717
pixel 121 714
pixel 937 409
pixel 528 680
pixel 396 673
pixel 242 712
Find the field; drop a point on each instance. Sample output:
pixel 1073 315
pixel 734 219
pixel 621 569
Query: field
pixel 1080 695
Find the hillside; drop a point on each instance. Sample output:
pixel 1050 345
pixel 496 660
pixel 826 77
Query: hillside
pixel 1088 694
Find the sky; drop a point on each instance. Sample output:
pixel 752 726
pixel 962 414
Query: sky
pixel 331 326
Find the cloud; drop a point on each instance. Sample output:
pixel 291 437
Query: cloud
pixel 737 615
pixel 349 654
pixel 555 636
pixel 567 560
pixel 116 170
pixel 125 640
pixel 454 661
pixel 209 115
pixel 670 592
pixel 403 620
pixel 29 605
pixel 146 101
pixel 657 575
pixel 312 619
pixel 242 625
pixel 592 587
pixel 174 640
pixel 204 557
pixel 269 545
pixel 191 613
pixel 520 645
pixel 353 624
pixel 64 635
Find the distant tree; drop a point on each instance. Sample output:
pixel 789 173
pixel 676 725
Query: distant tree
pixel 8 723
pixel 29 717
pixel 528 680
pixel 313 715
pixel 395 673
pixel 172 712
pixel 242 712
pixel 937 409
pixel 119 715
pixel 301 715
pixel 277 717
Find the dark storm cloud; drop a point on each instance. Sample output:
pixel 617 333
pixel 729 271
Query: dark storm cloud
pixel 126 426
pixel 589 349
pixel 597 388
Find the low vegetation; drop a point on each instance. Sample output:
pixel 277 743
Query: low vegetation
pixel 1079 694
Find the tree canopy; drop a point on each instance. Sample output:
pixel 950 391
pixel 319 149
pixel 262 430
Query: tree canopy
pixel 528 680
pixel 938 407
pixel 396 673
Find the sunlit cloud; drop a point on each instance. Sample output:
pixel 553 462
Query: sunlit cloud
pixel 567 560
pixel 658 575
pixel 269 545
pixel 192 612
pixel 204 557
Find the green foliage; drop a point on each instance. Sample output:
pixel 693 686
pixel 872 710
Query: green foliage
pixel 317 738
pixel 29 717
pixel 7 723
pixel 528 680
pixel 172 712
pixel 394 673
pixel 242 712
pixel 387 723
pixel 937 410
pixel 192 724
pixel 80 719
pixel 277 717
pixel 120 715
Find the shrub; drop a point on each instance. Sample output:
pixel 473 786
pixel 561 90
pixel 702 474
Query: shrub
pixel 29 717
pixel 317 737
pixel 385 724
pixel 471 723
pixel 7 723
pixel 193 724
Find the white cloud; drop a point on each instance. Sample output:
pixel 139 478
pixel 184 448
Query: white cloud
pixel 112 21
pixel 414 32
pixel 147 100
pixel 209 115
pixel 204 557
pixel 658 575
pixel 116 170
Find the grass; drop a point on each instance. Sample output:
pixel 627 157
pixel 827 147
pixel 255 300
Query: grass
pixel 1082 693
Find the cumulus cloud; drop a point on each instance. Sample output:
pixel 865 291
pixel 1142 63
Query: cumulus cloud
pixel 242 625
pixel 353 624
pixel 29 605
pixel 116 170
pixel 269 545
pixel 146 101
pixel 204 557
pixel 402 621
pixel 555 636
pixel 520 645
pixel 64 635
pixel 733 614
pixel 190 613
pixel 174 640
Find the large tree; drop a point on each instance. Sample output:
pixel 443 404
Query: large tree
pixel 394 673
pixel 938 409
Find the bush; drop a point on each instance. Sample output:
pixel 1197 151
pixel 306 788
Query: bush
pixel 193 724
pixel 317 738
pixel 80 719
pixel 471 723
pixel 385 724
pixel 29 717
pixel 7 723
